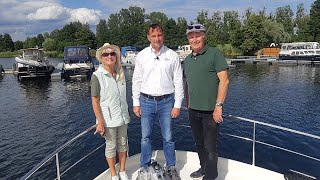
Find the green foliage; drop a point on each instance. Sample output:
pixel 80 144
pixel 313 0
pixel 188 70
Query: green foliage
pixel 9 54
pixel 301 29
pixel 254 35
pixel 53 54
pixel 6 43
pixel 284 16
pixel 101 34
pixel 228 50
pixel 231 33
pixel 49 44
pixel 315 20
pixel 18 45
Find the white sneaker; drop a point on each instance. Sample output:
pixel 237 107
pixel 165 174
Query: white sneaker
pixel 114 178
pixel 123 175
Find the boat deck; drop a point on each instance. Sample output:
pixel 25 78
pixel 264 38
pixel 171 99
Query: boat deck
pixel 188 162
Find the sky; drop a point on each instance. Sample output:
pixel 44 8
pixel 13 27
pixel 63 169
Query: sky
pixel 28 18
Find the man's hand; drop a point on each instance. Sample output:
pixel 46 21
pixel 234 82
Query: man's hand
pixel 175 112
pixel 137 111
pixel 217 114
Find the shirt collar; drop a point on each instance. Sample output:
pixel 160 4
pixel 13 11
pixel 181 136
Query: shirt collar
pixel 203 50
pixel 154 51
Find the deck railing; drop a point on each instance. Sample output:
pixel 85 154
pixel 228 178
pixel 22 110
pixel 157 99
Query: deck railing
pixel 253 140
pixel 56 155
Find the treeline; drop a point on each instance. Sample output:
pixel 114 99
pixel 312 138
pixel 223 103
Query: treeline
pixel 231 32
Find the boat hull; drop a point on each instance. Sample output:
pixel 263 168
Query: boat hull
pixel 306 58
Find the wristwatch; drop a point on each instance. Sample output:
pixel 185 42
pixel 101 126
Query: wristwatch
pixel 219 104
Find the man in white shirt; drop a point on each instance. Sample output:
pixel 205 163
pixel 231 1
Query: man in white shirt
pixel 157 91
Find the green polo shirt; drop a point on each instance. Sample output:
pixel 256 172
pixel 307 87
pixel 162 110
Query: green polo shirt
pixel 201 75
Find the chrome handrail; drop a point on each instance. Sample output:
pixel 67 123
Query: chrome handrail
pixel 270 145
pixel 253 140
pixel 55 153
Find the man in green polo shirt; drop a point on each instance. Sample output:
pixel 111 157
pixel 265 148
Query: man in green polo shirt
pixel 206 72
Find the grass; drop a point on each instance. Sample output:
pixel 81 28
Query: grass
pixel 9 54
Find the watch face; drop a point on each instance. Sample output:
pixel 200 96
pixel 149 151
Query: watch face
pixel 219 104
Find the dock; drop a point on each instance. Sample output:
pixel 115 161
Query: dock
pixel 231 63
pixel 9 71
pixel 270 61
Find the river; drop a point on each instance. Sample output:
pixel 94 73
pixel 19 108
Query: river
pixel 37 117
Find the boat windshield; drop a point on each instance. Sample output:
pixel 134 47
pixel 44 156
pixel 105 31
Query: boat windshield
pixel 77 52
pixel 34 55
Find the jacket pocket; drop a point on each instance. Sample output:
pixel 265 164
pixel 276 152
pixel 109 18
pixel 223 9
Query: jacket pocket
pixel 109 113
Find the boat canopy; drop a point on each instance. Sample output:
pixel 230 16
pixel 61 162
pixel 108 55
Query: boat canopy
pixel 127 48
pixel 77 53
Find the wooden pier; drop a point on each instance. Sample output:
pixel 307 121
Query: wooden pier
pixel 270 61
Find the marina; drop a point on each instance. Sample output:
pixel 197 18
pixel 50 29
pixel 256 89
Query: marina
pixel 282 95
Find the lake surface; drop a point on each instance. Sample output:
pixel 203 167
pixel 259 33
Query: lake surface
pixel 38 117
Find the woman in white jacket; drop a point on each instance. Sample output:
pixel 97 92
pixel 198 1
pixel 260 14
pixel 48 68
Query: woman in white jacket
pixel 108 91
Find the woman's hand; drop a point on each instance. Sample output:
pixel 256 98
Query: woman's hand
pixel 100 129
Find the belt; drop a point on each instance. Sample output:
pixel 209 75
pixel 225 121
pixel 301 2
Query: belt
pixel 155 98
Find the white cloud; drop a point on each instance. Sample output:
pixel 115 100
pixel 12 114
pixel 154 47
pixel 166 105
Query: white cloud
pixel 85 15
pixel 49 13
pixel 28 18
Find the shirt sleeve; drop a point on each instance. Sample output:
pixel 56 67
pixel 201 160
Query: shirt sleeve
pixel 220 62
pixel 178 83
pixel 136 81
pixel 95 86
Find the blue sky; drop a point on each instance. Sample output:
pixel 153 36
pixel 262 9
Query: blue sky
pixel 28 18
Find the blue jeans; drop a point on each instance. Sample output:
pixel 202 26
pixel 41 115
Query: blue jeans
pixel 152 110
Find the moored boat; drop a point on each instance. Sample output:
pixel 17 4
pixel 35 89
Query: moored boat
pixel 128 55
pixel 77 63
pixel 300 51
pixel 183 51
pixel 33 64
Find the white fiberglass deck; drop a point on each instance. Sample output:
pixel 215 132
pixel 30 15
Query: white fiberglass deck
pixel 188 162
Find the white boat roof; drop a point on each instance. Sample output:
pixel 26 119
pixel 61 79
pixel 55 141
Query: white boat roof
pixel 31 49
pixel 188 162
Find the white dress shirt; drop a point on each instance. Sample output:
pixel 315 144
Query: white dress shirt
pixel 157 75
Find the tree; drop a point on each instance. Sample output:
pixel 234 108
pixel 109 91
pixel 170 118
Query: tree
pixel 315 20
pixel 102 32
pixel 49 44
pixel 74 33
pixel 7 43
pixel 157 18
pixel 275 32
pixel 301 22
pixel 181 37
pixel 170 34
pixel 284 15
pixel 253 35
pixel 132 25
pixel 18 45
pixel 40 40
pixel 231 26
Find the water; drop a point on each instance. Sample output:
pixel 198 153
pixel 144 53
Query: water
pixel 38 117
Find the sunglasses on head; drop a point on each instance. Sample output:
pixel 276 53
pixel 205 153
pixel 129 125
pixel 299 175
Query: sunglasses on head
pixel 107 54
pixel 194 27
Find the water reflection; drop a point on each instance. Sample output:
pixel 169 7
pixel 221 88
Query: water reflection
pixel 35 90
